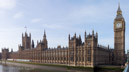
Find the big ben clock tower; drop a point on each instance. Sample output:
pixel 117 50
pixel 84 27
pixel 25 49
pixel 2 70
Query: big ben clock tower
pixel 119 38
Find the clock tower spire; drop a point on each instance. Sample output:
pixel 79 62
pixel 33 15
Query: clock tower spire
pixel 119 38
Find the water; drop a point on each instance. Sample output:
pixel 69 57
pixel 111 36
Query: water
pixel 14 68
pixel 11 68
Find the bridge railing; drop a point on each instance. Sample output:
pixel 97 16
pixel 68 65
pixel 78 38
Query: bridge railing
pixel 126 69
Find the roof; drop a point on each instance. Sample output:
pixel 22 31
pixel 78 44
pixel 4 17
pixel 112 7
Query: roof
pixel 119 13
pixel 119 16
pixel 119 9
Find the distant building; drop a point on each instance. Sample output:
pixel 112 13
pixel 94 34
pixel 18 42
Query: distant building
pixel 78 53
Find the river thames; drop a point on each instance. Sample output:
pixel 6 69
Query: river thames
pixel 16 67
pixel 12 68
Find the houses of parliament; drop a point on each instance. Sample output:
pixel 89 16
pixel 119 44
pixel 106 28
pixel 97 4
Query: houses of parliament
pixel 78 53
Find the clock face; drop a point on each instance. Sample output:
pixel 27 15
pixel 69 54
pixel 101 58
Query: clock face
pixel 118 25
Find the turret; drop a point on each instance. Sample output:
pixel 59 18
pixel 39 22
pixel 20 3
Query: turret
pixel 85 36
pixel 11 50
pixel 22 35
pixel 75 36
pixel 69 37
pixel 92 34
pixel 45 40
pixel 119 10
pixel 26 41
pixel 32 43
pixel 80 40
pixel 29 34
pixel 44 36
pixel 79 36
pixel 96 35
pixel 26 35
pixel 108 47
pixel 5 53
pixel 119 13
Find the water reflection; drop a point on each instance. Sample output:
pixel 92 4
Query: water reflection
pixel 8 68
pixel 12 68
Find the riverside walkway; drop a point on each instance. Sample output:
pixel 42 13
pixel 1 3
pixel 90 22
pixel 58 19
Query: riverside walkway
pixel 126 69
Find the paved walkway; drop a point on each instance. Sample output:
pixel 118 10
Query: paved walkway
pixel 126 69
pixel 38 66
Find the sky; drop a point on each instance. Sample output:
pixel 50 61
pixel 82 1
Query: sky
pixel 59 18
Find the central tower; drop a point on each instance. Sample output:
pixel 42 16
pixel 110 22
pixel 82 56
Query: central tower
pixel 26 41
pixel 119 38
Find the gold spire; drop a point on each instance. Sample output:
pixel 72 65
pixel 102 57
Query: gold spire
pixel 44 33
pixel 119 12
pixel 119 9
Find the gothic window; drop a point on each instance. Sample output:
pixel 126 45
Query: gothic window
pixel 71 58
pixel 72 46
pixel 82 58
pixel 65 53
pixel 89 52
pixel 89 59
pixel 64 58
pixel 89 43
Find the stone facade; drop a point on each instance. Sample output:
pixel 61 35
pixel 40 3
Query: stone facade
pixel 119 38
pixel 78 53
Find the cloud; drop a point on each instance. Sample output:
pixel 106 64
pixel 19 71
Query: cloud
pixel 18 15
pixel 36 20
pixel 52 26
pixel 7 4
